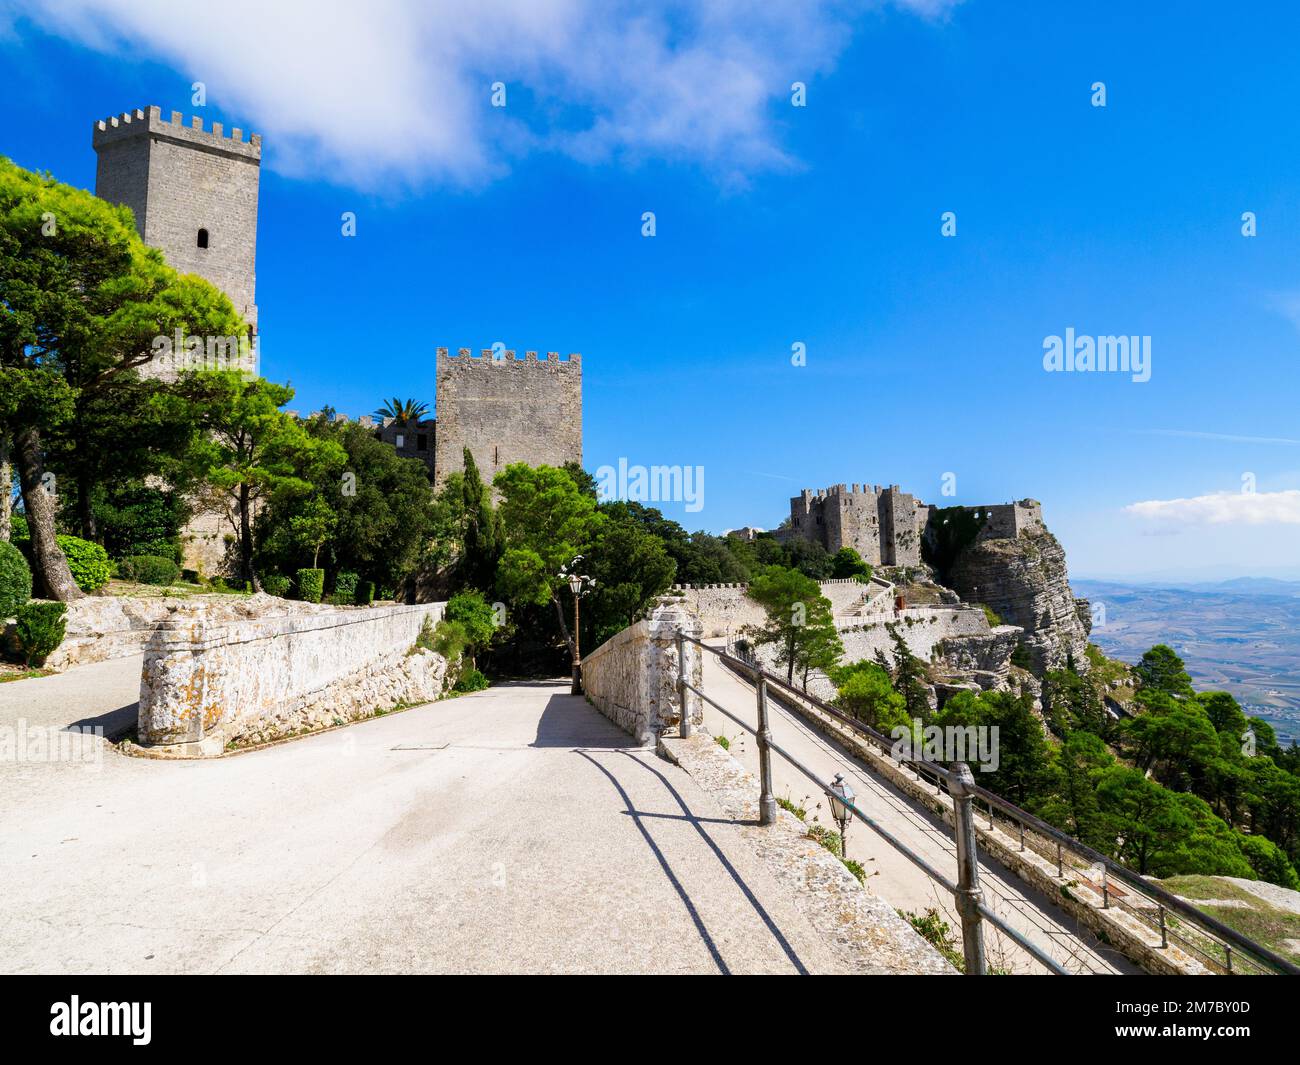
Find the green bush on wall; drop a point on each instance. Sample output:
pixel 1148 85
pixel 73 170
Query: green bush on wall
pixel 15 579
pixel 311 583
pixel 87 561
pixel 365 594
pixel 276 584
pixel 148 569
pixel 40 630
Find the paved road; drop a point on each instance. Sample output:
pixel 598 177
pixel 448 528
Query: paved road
pixel 891 875
pixel 513 830
pixel 99 695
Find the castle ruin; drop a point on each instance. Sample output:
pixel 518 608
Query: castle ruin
pixel 887 526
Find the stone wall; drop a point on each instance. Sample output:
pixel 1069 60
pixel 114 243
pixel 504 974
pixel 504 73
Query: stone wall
pixel 507 410
pixel 726 608
pixel 208 683
pixel 632 677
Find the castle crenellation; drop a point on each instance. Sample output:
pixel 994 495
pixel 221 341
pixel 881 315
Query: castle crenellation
pixel 886 526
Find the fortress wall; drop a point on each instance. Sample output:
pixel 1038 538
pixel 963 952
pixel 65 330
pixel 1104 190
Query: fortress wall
pixel 632 677
pixel 507 410
pixel 207 683
pixel 726 608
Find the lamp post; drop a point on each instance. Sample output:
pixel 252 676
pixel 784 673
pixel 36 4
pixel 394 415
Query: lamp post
pixel 842 796
pixel 579 585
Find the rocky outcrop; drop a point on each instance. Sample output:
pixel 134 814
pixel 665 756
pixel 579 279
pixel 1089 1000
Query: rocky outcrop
pixel 981 659
pixel 1024 579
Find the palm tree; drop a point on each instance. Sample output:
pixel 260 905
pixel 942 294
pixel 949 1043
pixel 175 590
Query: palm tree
pixel 402 410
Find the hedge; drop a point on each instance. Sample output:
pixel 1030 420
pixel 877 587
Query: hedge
pixel 87 561
pixel 276 584
pixel 311 583
pixel 148 569
pixel 40 630
pixel 15 579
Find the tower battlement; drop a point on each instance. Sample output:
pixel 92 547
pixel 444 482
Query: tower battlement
pixel 507 409
pixel 487 355
pixel 193 192
pixel 150 122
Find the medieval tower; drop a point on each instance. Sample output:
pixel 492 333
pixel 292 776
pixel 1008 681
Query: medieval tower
pixel 506 409
pixel 193 193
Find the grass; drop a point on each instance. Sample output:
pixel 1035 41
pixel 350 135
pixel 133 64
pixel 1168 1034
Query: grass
pixel 1268 925
pixel 10 673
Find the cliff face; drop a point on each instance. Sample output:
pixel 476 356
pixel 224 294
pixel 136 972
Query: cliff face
pixel 1024 580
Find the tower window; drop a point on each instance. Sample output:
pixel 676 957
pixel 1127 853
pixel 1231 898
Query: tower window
pixel 203 238
pixel 422 442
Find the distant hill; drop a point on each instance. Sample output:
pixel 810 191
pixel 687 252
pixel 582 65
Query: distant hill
pixel 1241 636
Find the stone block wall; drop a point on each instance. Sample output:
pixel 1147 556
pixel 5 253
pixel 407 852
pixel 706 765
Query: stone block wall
pixel 178 179
pixel 207 683
pixel 632 677
pixel 726 608
pixel 507 410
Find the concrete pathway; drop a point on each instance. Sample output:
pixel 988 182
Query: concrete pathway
pixel 513 830
pixel 101 694
pixel 891 875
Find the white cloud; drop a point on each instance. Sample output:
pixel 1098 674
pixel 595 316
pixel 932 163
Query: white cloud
pixel 1223 508
pixel 398 90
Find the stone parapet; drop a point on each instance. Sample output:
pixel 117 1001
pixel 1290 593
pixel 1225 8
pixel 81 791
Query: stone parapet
pixel 207 683
pixel 632 677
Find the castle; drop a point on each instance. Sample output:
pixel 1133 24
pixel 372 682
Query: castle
pixel 887 526
pixel 194 195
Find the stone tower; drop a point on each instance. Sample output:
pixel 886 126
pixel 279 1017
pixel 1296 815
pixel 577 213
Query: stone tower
pixel 506 409
pixel 193 193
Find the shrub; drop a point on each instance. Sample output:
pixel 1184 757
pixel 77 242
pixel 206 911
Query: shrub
pixel 148 569
pixel 471 680
pixel 311 583
pixel 15 579
pixel 345 585
pixel 40 630
pixel 87 561
pixel 276 584
pixel 365 594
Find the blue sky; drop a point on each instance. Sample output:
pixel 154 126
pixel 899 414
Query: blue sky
pixel 775 225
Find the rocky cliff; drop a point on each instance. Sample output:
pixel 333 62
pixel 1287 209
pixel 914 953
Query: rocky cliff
pixel 1024 579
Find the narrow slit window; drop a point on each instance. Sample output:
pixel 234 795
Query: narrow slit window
pixel 203 238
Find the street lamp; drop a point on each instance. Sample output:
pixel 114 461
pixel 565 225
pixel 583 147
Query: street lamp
pixel 579 585
pixel 842 797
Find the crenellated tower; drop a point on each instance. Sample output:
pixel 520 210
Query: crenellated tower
pixel 193 192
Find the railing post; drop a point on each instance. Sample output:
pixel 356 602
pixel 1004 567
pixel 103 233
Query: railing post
pixel 684 725
pixel 1164 932
pixel 1060 871
pixel 766 800
pixel 961 786
pixel 1227 952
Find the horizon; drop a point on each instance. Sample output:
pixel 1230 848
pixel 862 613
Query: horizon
pixel 779 226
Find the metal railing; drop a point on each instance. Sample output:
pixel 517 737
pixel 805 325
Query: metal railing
pixel 966 892
pixel 1219 947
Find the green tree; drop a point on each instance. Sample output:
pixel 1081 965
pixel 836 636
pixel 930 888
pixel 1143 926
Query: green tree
pixel 1072 803
pixel 1161 670
pixel 865 691
pixel 481 537
pixel 846 563
pixel 800 625
pixel 402 410
pixel 249 450
pixel 631 567
pixel 546 520
pixel 476 618
pixel 909 674
pixel 1137 815
pixel 82 301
